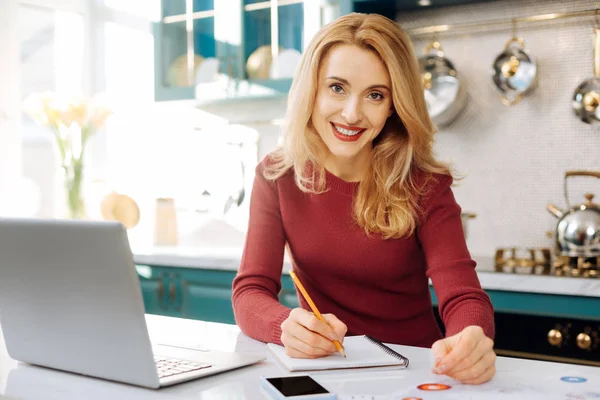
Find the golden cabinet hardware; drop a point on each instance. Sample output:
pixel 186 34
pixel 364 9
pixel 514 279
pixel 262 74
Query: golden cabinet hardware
pixel 584 341
pixel 172 288
pixel 555 337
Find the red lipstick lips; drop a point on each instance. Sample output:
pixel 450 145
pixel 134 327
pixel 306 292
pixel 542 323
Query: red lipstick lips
pixel 348 134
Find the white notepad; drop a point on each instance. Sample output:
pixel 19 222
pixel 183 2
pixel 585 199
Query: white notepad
pixel 361 352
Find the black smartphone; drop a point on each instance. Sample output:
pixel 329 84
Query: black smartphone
pixel 296 388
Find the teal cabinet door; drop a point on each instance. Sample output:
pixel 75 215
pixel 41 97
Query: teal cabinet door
pixel 152 293
pixel 158 290
pixel 207 301
pixel 262 37
pixel 206 294
pixel 288 296
pixel 236 36
pixel 260 31
pixel 153 283
pixel 200 294
pixel 168 43
pixel 183 39
pixel 239 37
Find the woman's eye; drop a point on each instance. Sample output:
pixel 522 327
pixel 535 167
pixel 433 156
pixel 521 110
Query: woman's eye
pixel 376 96
pixel 336 88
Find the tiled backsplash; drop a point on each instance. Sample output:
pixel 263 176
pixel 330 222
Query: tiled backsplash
pixel 514 158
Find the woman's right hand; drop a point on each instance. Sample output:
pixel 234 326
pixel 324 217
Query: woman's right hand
pixel 306 336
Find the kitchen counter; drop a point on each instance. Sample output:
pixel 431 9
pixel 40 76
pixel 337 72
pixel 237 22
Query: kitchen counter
pixel 515 378
pixel 216 257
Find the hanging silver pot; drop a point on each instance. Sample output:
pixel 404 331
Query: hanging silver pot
pixel 586 99
pixel 514 71
pixel 578 227
pixel 444 93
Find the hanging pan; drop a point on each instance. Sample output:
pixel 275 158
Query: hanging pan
pixel 444 93
pixel 586 99
pixel 514 71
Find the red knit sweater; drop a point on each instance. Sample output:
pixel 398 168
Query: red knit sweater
pixel 376 287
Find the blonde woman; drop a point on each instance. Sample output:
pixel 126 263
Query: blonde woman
pixel 366 211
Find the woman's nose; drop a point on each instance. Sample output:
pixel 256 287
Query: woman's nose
pixel 352 111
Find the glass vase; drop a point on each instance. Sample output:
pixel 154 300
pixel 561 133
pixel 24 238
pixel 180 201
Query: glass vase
pixel 74 193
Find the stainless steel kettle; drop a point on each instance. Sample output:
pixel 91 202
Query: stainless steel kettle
pixel 578 228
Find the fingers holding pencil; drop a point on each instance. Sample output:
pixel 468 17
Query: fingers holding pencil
pixel 339 328
pixel 306 336
pixel 317 314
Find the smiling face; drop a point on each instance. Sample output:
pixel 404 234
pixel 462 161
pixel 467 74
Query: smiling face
pixel 352 105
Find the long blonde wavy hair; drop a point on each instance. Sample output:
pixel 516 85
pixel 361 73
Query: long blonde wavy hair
pixel 387 198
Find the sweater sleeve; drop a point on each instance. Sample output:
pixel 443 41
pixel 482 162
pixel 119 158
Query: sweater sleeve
pixel 461 300
pixel 256 307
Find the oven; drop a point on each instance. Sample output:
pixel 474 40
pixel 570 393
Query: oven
pixel 568 340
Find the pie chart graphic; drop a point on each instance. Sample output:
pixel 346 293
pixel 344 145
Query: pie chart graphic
pixel 573 379
pixel 433 387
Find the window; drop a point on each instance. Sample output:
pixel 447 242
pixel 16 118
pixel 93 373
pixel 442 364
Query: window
pixel 51 56
pixel 129 74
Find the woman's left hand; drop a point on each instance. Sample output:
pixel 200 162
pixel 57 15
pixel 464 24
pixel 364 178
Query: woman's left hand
pixel 467 356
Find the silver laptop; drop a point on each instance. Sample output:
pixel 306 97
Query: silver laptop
pixel 70 299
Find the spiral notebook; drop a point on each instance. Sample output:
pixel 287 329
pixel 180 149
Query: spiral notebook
pixel 361 352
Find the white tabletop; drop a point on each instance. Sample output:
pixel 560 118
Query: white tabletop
pixel 515 379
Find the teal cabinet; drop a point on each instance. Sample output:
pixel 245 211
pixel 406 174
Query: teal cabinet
pixel 288 296
pixel 153 294
pixel 169 42
pixel 201 294
pixel 216 51
pixel 159 290
pixel 205 294
pixel 232 42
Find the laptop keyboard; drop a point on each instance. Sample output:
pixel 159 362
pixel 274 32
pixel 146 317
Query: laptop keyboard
pixel 173 366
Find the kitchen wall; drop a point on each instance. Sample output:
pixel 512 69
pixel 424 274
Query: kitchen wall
pixel 514 158
pixel 264 116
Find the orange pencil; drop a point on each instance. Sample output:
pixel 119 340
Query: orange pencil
pixel 314 309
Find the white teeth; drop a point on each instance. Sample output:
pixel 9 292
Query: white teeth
pixel 346 132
